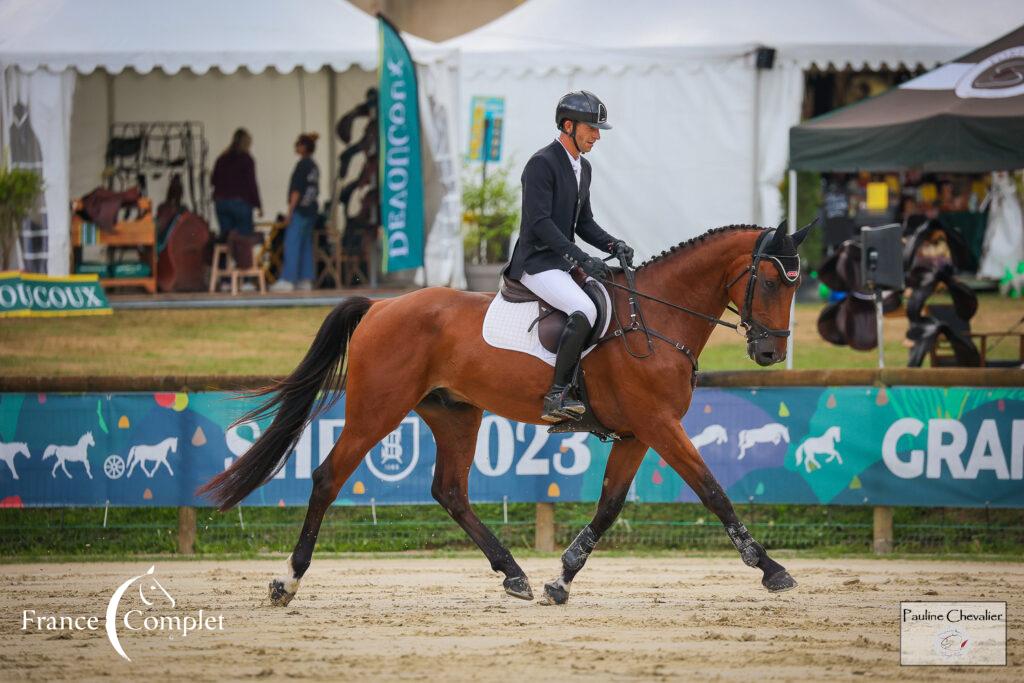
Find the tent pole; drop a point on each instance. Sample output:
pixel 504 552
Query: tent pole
pixel 755 199
pixel 332 147
pixel 792 308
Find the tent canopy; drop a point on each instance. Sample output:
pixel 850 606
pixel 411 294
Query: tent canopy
pixel 549 35
pixel 965 116
pixel 198 35
pixel 700 135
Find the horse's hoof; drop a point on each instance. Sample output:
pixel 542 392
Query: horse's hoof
pixel 518 587
pixel 279 596
pixel 555 594
pixel 779 581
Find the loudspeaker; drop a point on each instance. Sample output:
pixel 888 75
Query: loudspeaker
pixel 881 258
pixel 765 58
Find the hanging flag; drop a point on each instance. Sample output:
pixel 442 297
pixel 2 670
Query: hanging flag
pixel 401 178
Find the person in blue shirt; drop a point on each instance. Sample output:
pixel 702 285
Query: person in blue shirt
pixel 303 190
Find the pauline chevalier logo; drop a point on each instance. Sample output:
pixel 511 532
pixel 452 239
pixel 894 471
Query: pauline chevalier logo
pixel 157 611
pixel 968 633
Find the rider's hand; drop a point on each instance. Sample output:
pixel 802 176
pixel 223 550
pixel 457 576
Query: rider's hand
pixel 620 248
pixel 596 268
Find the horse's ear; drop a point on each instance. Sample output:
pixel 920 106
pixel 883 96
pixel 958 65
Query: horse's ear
pixel 799 235
pixel 782 226
pixel 778 240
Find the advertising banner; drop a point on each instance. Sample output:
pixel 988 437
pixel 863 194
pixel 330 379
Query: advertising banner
pixel 948 447
pixel 29 294
pixel 486 120
pixel 401 176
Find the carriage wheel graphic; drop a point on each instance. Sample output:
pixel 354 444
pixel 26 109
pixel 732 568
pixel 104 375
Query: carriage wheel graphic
pixel 113 466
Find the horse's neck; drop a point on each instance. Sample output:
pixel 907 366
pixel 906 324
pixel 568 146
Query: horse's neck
pixel 693 277
pixel 82 438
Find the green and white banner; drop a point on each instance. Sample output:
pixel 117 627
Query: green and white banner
pixel 28 294
pixel 401 176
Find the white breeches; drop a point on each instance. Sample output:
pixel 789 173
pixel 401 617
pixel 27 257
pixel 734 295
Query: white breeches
pixel 559 289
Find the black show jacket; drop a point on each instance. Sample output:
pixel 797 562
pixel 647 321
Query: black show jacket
pixel 550 203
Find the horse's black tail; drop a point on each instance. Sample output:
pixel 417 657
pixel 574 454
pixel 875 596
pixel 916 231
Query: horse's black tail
pixel 312 388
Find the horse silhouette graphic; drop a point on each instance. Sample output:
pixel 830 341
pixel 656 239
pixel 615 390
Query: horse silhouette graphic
pixel 772 433
pixel 8 451
pixel 65 454
pixel 814 446
pixel 157 454
pixel 712 434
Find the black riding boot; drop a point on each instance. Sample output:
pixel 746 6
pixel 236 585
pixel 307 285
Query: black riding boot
pixel 558 405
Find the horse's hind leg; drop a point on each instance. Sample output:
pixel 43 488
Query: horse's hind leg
pixel 365 425
pixel 667 437
pixel 455 429
pixel 623 462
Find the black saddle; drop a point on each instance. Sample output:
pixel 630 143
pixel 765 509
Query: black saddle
pixel 550 321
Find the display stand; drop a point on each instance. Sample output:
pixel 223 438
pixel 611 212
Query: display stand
pixel 139 233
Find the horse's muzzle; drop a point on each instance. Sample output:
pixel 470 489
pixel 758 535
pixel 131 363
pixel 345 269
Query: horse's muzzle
pixel 764 353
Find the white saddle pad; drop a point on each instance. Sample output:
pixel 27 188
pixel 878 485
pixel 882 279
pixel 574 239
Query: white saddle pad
pixel 506 326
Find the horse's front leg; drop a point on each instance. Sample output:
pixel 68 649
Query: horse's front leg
pixel 622 464
pixel 667 437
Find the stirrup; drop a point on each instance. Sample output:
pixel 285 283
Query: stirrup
pixel 557 413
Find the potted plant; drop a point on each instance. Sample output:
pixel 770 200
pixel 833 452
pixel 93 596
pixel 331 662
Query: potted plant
pixel 19 190
pixel 490 218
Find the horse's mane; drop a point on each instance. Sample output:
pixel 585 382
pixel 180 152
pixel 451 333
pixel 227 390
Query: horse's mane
pixel 697 241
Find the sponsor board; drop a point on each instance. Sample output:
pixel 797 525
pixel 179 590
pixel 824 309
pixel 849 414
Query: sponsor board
pixel 961 447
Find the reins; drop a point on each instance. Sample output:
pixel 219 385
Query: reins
pixel 747 324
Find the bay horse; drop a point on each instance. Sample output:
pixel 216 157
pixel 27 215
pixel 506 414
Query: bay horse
pixel 424 351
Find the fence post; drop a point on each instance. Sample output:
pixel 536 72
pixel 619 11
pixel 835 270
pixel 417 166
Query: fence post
pixel 544 534
pixel 883 530
pixel 186 530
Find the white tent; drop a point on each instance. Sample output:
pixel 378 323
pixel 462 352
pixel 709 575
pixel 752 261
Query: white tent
pixel 273 67
pixel 700 135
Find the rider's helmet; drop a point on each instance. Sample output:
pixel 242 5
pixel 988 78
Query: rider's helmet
pixel 581 106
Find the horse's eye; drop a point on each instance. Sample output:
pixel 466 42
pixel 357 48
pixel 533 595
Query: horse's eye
pixel 769 284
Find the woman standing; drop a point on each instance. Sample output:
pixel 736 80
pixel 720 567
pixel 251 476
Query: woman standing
pixel 303 190
pixel 235 195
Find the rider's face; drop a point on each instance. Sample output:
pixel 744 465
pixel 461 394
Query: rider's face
pixel 586 136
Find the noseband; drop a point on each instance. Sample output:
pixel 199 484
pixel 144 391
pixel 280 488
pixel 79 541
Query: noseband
pixel 753 328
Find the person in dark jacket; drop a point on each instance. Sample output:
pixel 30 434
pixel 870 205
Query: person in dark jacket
pixel 556 208
pixel 303 190
pixel 236 196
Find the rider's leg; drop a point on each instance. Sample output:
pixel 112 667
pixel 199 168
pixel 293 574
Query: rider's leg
pixel 557 402
pixel 559 289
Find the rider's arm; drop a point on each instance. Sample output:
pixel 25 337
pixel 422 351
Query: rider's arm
pixel 592 233
pixel 588 229
pixel 538 192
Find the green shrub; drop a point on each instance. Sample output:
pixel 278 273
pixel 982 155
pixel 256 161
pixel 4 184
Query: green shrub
pixel 19 190
pixel 491 215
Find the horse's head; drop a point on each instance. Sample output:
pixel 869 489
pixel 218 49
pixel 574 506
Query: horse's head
pixel 174 444
pixel 762 286
pixel 87 438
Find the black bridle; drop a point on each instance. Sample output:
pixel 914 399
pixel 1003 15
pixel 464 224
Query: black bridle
pixel 753 329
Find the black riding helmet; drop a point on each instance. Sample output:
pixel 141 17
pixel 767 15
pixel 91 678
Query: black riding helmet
pixel 584 107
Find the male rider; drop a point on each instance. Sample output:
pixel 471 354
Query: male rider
pixel 556 208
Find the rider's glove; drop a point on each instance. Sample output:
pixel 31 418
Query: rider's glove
pixel 596 268
pixel 620 248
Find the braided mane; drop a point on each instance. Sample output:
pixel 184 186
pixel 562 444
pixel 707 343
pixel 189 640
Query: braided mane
pixel 697 241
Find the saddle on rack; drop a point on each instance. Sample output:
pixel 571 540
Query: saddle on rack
pixel 550 321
